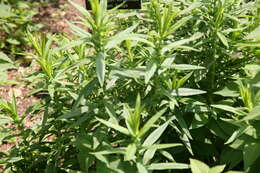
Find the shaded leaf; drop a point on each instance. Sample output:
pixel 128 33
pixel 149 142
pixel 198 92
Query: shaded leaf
pixel 229 109
pixel 74 113
pixel 250 154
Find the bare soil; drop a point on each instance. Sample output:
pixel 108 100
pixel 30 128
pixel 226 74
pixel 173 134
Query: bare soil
pixel 54 16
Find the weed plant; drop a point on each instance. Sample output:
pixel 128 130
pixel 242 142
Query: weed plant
pixel 173 88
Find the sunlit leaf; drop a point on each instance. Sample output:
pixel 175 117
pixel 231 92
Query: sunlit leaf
pixel 186 92
pixel 165 166
pixel 101 68
pixel 147 126
pixel 114 126
pixel 198 166
pixel 223 39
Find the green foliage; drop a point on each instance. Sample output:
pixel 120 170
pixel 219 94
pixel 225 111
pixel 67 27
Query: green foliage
pixel 173 88
pixel 200 167
pixel 15 20
pixel 5 64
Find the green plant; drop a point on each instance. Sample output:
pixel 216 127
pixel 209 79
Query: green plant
pixel 175 88
pixel 5 64
pixel 139 150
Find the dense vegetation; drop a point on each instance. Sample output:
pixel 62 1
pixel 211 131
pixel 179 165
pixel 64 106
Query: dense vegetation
pixel 173 87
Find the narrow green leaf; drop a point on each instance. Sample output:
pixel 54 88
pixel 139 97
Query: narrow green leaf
pixel 13 41
pixel 116 39
pixel 151 121
pixel 150 70
pixel 60 74
pixel 111 112
pixel 184 67
pixel 223 39
pixel 250 154
pixel 148 155
pixel 254 34
pixel 141 168
pixel 129 120
pixel 11 160
pixel 229 109
pixel 129 73
pixel 183 137
pixel 74 113
pixel 137 114
pixel 253 115
pixel 165 166
pixel 71 44
pixel 5 11
pixel 181 42
pixel 3 67
pixel 226 92
pixel 4 120
pixel 183 125
pixel 178 24
pixel 237 133
pixel 125 35
pixel 101 68
pixel 167 155
pixel 14 108
pixel 114 126
pixel 155 135
pixel 79 31
pixel 51 90
pixel 192 6
pixel 249 44
pixel 110 151
pixel 4 57
pixel 4 105
pixel 130 152
pixel 217 169
pixel 86 91
pixel 169 60
pixel 187 48
pixel 198 166
pixel 161 146
pixel 182 81
pixel 186 92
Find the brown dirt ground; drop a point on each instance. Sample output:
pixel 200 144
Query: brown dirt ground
pixel 54 16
